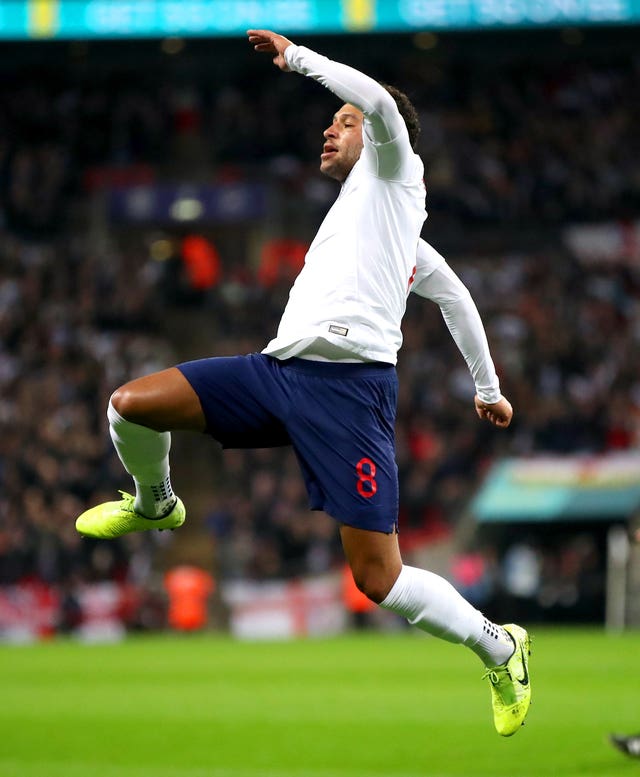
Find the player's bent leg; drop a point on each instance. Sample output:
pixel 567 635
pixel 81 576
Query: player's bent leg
pixel 163 401
pixel 141 415
pixel 431 603
pixel 374 558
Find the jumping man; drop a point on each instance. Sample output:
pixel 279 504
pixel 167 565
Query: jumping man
pixel 327 384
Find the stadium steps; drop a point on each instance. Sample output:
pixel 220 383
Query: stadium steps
pixel 194 457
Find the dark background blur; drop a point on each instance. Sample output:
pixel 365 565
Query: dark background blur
pixel 156 201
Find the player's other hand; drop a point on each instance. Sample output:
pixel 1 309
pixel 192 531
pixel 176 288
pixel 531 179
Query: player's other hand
pixel 267 42
pixel 499 413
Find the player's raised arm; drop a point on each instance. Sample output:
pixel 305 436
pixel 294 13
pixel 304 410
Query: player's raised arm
pixel 383 122
pixel 436 281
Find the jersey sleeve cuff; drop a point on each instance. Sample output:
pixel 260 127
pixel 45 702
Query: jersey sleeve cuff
pixel 290 56
pixel 488 395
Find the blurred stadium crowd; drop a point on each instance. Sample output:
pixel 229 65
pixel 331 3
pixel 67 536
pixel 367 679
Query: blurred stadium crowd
pixel 511 156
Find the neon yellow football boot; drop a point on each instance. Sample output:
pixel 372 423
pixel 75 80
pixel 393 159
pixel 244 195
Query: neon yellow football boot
pixel 510 685
pixel 113 519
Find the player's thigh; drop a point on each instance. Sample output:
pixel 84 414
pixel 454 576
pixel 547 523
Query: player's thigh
pixel 164 401
pixel 242 399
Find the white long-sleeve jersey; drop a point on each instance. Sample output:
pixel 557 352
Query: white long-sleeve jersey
pixel 436 281
pixel 351 294
pixel 348 301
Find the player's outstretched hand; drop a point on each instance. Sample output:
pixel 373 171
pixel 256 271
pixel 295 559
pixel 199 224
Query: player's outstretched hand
pixel 499 413
pixel 267 42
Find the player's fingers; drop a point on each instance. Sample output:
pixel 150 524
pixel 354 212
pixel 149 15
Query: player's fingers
pixel 260 33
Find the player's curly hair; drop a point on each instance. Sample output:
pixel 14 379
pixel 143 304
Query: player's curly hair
pixel 408 113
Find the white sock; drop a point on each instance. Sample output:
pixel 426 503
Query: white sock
pixel 145 455
pixel 432 604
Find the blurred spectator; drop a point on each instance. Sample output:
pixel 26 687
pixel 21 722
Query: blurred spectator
pixel 522 145
pixel 189 589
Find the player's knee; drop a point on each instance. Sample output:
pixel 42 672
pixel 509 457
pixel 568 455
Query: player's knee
pixel 125 403
pixel 372 582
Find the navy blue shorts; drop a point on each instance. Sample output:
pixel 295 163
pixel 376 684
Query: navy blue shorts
pixel 339 417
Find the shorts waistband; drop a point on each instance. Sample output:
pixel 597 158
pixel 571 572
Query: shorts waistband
pixel 339 369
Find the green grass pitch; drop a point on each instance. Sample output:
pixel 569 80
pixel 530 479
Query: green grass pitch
pixel 357 706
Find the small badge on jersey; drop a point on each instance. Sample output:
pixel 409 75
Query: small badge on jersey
pixel 338 330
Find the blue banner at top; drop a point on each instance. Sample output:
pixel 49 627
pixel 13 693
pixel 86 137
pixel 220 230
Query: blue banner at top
pixel 86 19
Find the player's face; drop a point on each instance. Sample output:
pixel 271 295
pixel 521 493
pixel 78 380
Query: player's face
pixel 342 143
